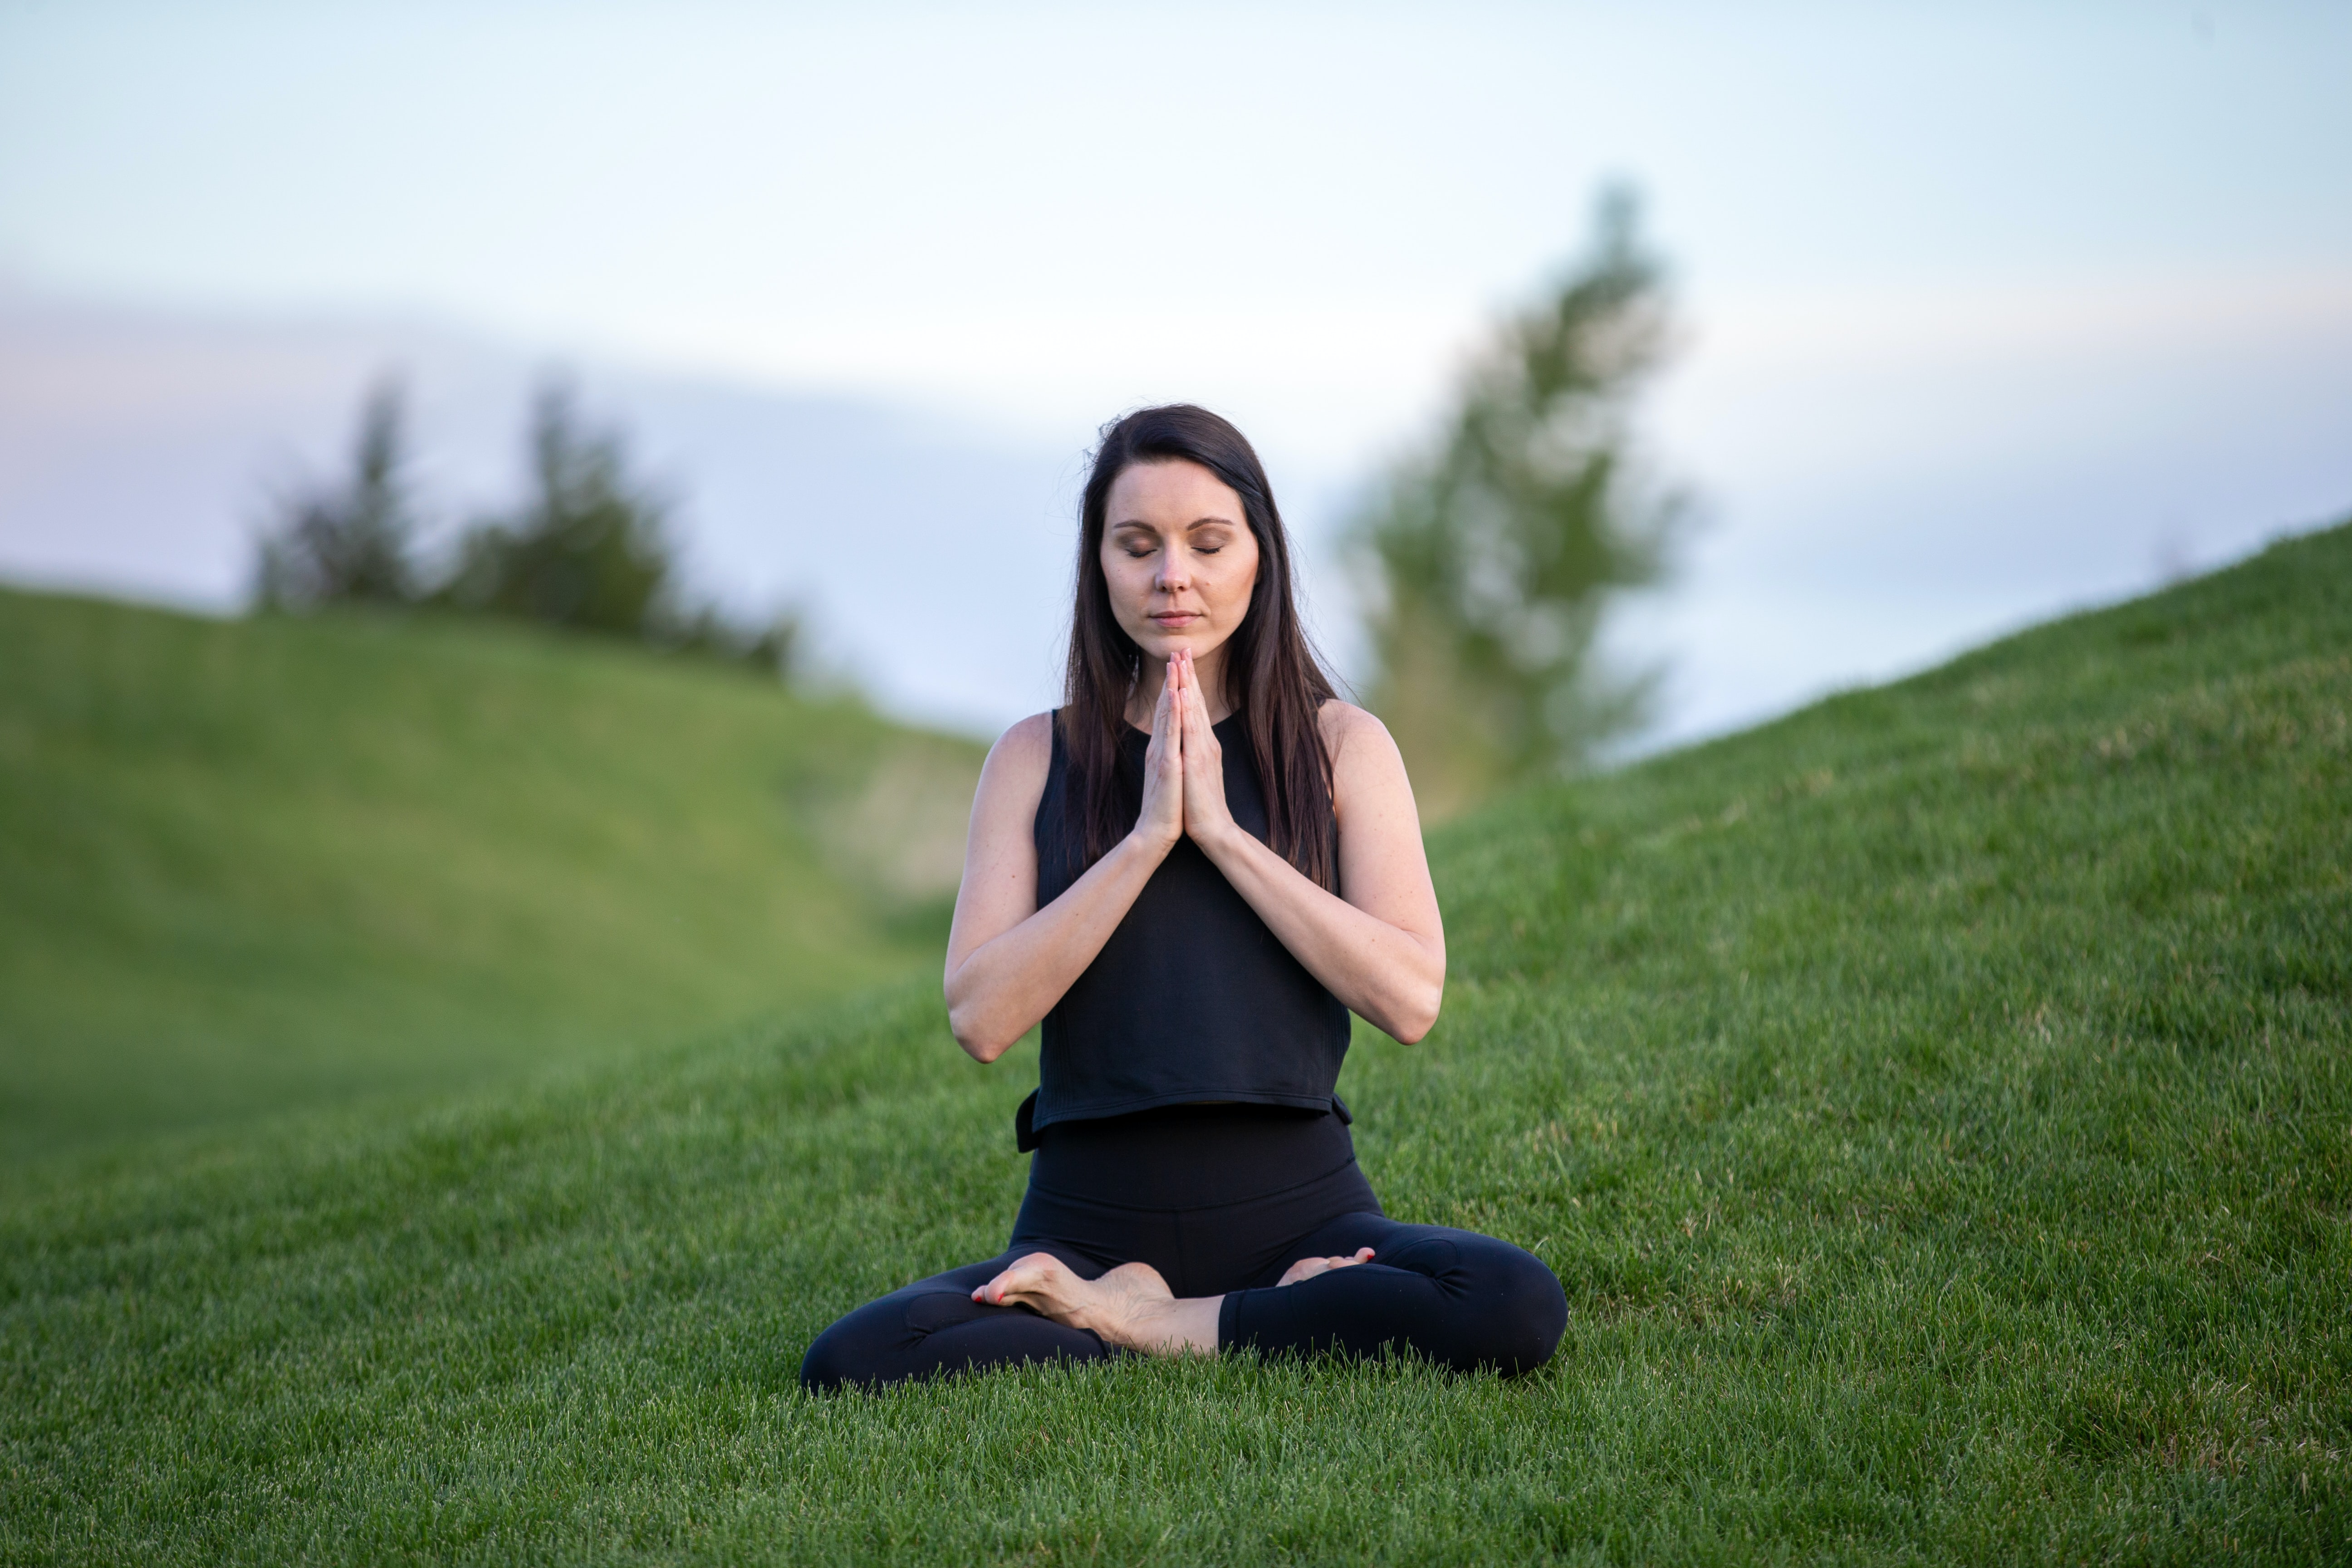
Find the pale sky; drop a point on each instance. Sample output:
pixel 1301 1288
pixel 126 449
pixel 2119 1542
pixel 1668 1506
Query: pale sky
pixel 1955 279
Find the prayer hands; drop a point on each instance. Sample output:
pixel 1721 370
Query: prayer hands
pixel 1184 766
pixel 1206 817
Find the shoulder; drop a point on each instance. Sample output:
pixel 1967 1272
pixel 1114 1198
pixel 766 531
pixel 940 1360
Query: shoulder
pixel 1032 740
pixel 1351 737
pixel 1018 763
pixel 1369 787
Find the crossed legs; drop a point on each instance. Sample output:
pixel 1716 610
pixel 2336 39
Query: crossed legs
pixel 1454 1297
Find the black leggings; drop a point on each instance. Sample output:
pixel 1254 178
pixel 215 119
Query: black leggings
pixel 1233 1196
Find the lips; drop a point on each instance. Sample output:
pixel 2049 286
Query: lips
pixel 1175 619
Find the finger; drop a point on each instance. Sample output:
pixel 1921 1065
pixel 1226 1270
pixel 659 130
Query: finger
pixel 1166 727
pixel 1196 700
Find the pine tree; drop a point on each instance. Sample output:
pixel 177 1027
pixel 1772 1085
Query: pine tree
pixel 1493 555
pixel 589 549
pixel 348 543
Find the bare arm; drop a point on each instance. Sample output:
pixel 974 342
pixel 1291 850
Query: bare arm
pixel 1009 961
pixel 1380 944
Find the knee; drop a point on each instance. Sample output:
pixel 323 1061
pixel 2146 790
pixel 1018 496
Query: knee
pixel 830 1363
pixel 1526 1310
pixel 856 1351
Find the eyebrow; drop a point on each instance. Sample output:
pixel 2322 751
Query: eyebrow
pixel 1196 523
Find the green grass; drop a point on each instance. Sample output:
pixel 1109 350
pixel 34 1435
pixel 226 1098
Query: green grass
pixel 247 865
pixel 1937 1105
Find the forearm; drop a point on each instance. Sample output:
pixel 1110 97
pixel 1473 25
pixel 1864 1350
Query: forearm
pixel 1389 975
pixel 997 993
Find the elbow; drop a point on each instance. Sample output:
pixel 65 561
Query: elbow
pixel 1417 990
pixel 1416 1014
pixel 980 1043
pixel 1413 1030
pixel 964 1020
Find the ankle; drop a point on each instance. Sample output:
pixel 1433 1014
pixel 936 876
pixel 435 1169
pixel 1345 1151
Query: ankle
pixel 1168 1326
pixel 1143 1325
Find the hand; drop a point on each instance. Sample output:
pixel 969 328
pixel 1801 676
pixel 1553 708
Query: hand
pixel 1162 821
pixel 1309 1268
pixel 1206 816
pixel 1130 1306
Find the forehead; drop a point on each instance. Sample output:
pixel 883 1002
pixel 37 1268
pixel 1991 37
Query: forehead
pixel 1170 493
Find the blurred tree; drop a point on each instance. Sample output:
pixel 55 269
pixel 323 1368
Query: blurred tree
pixel 1493 554
pixel 350 541
pixel 778 647
pixel 589 549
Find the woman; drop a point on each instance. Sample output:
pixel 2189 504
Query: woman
pixel 1192 874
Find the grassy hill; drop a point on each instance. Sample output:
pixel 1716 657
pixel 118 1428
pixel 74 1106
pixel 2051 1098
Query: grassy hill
pixel 247 865
pixel 1937 1104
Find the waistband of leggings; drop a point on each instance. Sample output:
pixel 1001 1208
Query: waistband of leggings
pixel 1239 1229
pixel 1190 1157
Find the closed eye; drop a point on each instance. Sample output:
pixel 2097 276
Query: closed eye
pixel 1211 534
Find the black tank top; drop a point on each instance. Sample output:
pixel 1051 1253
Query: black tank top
pixel 1193 998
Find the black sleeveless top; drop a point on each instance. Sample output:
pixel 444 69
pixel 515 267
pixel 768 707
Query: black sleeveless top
pixel 1193 998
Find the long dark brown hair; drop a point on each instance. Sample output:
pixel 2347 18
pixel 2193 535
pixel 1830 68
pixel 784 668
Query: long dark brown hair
pixel 1272 675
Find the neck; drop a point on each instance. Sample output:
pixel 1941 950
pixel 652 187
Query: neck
pixel 1209 667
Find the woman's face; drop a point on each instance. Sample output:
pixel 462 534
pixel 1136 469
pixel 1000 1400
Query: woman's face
pixel 1178 556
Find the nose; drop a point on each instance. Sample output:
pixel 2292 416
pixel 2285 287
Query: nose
pixel 1175 571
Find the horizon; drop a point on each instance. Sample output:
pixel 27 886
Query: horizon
pixel 1982 317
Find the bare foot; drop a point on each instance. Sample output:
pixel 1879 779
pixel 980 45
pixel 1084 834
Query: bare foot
pixel 1309 1268
pixel 1130 1306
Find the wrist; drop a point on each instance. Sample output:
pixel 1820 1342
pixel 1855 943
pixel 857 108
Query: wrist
pixel 1153 842
pixel 1216 837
